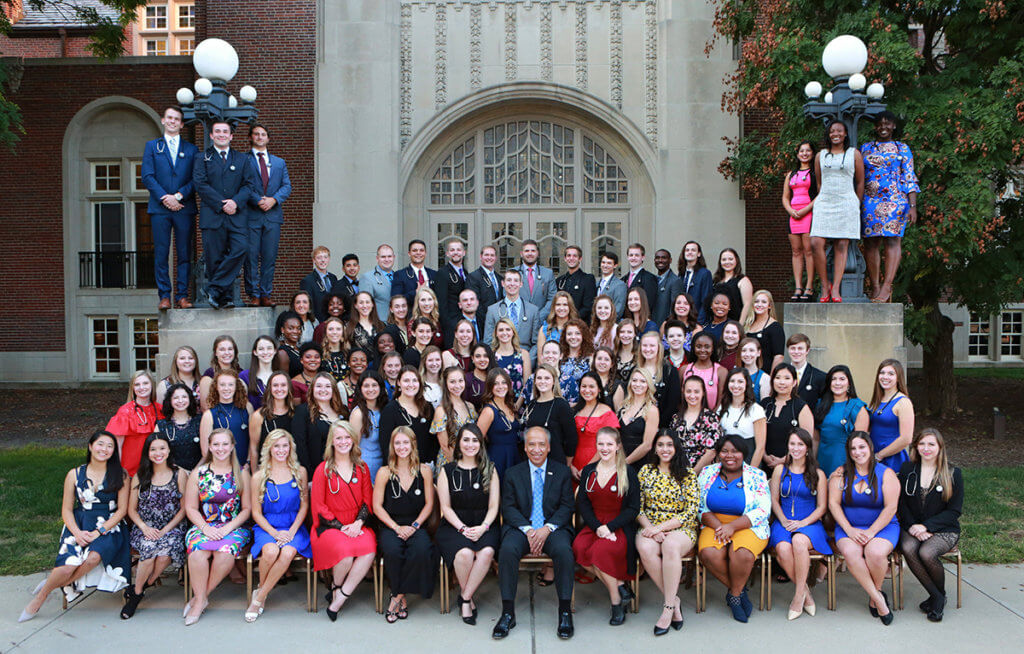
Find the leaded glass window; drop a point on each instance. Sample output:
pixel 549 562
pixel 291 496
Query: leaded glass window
pixel 529 162
pixel 604 182
pixel 453 181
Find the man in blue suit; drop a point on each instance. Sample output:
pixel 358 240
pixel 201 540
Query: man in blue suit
pixel 265 218
pixel 226 183
pixel 167 174
pixel 408 280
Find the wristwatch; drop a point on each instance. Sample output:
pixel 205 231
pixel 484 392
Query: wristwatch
pixel 178 196
pixel 462 529
pixel 415 524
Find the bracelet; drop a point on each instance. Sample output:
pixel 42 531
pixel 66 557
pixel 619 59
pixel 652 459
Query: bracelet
pixel 462 529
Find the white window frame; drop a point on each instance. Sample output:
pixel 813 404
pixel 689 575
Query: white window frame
pixel 153 14
pixel 93 373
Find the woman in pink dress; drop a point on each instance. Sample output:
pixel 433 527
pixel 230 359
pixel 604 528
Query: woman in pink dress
pixel 798 193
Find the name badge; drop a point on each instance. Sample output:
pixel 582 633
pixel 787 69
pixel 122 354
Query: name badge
pixel 181 155
pixel 232 167
pixel 808 387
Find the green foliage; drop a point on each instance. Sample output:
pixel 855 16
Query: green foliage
pixel 961 96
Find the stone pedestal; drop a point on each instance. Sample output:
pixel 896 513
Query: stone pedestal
pixel 858 335
pixel 199 328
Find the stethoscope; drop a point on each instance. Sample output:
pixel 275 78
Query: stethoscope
pixel 453 276
pixel 396 488
pixel 906 484
pixel 161 147
pixel 378 276
pixel 503 310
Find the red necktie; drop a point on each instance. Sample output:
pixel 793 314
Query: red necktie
pixel 631 276
pixel 529 279
pixel 264 173
pixel 419 277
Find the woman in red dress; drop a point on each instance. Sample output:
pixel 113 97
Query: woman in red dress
pixel 609 501
pixel 342 501
pixel 135 420
pixel 591 415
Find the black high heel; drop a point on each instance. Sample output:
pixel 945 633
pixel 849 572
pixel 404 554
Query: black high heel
pixel 333 615
pixel 661 631
pixel 470 619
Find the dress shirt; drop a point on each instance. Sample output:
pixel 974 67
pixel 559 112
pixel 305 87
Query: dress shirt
pixel 544 475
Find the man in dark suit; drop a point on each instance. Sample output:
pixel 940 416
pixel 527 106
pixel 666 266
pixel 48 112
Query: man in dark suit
pixel 640 277
pixel 450 281
pixel 537 508
pixel 810 381
pixel 408 280
pixel 167 164
pixel 669 286
pixel 485 280
pixel 580 285
pixel 226 183
pixel 265 218
pixel 347 285
pixel 610 285
pixel 319 282
pixel 469 309
pixel 513 306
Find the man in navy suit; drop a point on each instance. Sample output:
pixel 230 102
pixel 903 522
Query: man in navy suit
pixel 167 174
pixel 669 286
pixel 485 281
pixel 450 282
pixel 265 217
pixel 639 277
pixel 226 183
pixel 319 282
pixel 408 280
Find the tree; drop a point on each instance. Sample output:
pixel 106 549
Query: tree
pixel 107 42
pixel 961 94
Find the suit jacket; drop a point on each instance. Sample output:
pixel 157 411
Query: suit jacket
pixel 616 290
pixel 279 187
pixel 447 285
pixel 648 283
pixel 669 288
pixel 517 496
pixel 376 283
pixel 486 292
pixel 345 287
pixel 318 298
pixel 448 330
pixel 161 176
pixel 217 180
pixel 529 322
pixel 699 288
pixel 583 289
pixel 543 287
pixel 405 283
pixel 811 386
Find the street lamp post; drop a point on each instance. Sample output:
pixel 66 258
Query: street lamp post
pixel 849 100
pixel 216 62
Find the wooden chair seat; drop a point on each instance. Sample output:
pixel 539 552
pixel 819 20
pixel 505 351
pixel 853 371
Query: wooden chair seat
pixel 699 583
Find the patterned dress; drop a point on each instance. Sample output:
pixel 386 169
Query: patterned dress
pixel 698 437
pixel 440 423
pixel 888 179
pixel 220 501
pixel 93 506
pixel 663 498
pixel 157 505
pixel 569 377
pixel 184 439
pixel 513 365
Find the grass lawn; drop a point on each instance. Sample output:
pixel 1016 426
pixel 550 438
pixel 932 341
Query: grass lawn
pixel 30 486
pixel 999 372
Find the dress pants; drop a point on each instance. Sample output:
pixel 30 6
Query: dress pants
pixel 264 237
pixel 514 546
pixel 180 222
pixel 410 565
pixel 225 249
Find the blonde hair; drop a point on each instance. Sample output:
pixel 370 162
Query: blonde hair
pixel 495 344
pixel 263 474
pixel 556 388
pixel 174 375
pixel 435 316
pixel 414 455
pixel 943 475
pixel 771 309
pixel 152 386
pixel 659 358
pixel 621 475
pixel 649 396
pixel 236 468
pixel 355 455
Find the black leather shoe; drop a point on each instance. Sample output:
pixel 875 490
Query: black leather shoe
pixel 625 593
pixel 215 303
pixel 565 628
pixel 938 604
pixel 227 303
pixel 618 615
pixel 505 624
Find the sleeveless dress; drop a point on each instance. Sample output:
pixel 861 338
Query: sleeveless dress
pixel 834 430
pixel 731 289
pixel 836 209
pixel 220 502
pixel 185 449
pixel 469 502
pixel 237 420
pixel 281 503
pixel 797 503
pixel 372 452
pixel 93 505
pixel 503 441
pixel 710 377
pixel 608 556
pixel 282 421
pixel 865 507
pixel 410 565
pixel 800 185
pixel 586 435
pixel 885 428
pixel 255 399
pixel 157 505
pixel 569 375
pixel 888 179
pixel 632 434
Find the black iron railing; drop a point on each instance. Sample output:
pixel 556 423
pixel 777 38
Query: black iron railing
pixel 116 269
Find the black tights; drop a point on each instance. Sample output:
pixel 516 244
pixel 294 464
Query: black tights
pixel 923 559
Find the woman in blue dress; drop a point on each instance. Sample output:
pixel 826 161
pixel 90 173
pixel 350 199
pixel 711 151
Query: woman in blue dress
pixel 498 422
pixel 799 500
pixel 93 549
pixel 892 415
pixel 890 202
pixel 229 409
pixel 863 498
pixel 365 419
pixel 279 506
pixel 839 413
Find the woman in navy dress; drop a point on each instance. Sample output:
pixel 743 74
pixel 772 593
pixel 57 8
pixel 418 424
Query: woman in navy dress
pixel 892 415
pixel 279 506
pixel 799 501
pixel 863 498
pixel 498 422
pixel 229 409
pixel 93 547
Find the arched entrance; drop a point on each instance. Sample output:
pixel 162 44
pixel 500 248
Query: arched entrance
pixel 533 169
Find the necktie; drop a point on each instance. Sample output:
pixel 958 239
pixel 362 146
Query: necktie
pixel 476 331
pixel 494 283
pixel 172 146
pixel 419 277
pixel 264 173
pixel 529 279
pixel 537 512
pixel 462 274
pixel 604 282
pixel 513 313
pixel 224 156
pixel 391 276
pixel 632 276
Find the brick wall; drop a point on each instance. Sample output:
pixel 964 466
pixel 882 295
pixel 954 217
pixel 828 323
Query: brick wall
pixel 44 46
pixel 768 259
pixel 31 214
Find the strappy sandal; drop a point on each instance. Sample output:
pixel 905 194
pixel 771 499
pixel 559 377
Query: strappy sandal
pixel 391 616
pixel 403 609
pixel 250 614
pixel 541 581
pixel 797 294
pixel 807 295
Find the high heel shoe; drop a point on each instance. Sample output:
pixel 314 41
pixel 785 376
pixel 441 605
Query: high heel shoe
pixel 26 616
pixel 468 619
pixel 826 295
pixel 811 608
pixel 39 587
pixel 677 624
pixel 661 631
pixel 333 615
pixel 192 619
pixel 391 617
pixel 251 616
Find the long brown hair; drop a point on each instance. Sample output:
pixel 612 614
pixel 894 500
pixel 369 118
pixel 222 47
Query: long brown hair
pixel 447 406
pixel 337 405
pixel 483 462
pixel 213 359
pixel 901 382
pixel 267 410
pixel 943 473
pixel 810 461
pixel 850 468
pixel 552 320
pixel 608 333
pixel 640 318
pixel 587 344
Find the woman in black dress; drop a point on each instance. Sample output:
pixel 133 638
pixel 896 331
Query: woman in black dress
pixel 762 325
pixel 409 409
pixel 476 381
pixel 639 417
pixel 785 411
pixel 730 280
pixel 468 492
pixel 288 331
pixel 181 426
pixel 548 409
pixel 276 413
pixel 312 421
pixel 403 498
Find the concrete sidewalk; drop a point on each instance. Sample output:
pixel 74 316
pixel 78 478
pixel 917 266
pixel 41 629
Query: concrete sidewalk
pixel 992 618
